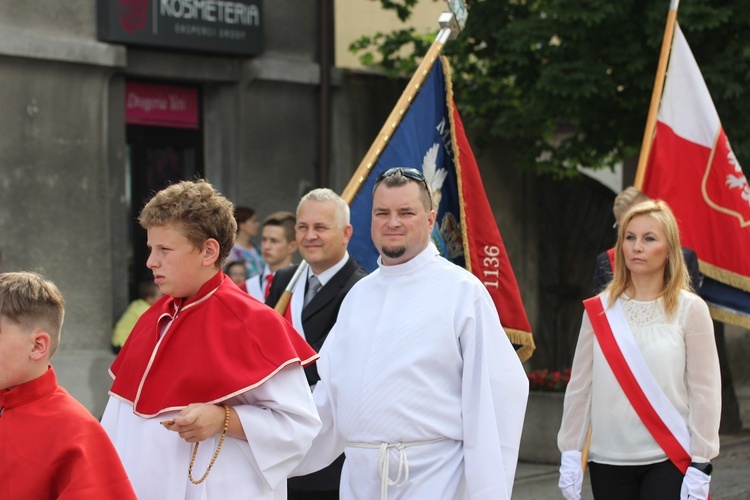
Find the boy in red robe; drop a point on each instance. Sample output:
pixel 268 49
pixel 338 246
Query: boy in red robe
pixel 221 372
pixel 50 445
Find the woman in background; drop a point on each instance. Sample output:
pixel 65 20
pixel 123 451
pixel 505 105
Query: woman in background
pixel 646 332
pixel 244 249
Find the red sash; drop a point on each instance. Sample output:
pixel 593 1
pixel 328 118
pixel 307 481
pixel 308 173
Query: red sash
pixel 611 257
pixel 635 394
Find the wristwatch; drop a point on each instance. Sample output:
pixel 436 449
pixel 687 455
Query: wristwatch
pixel 705 468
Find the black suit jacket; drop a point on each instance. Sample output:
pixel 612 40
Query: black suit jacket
pixel 603 270
pixel 320 314
pixel 317 319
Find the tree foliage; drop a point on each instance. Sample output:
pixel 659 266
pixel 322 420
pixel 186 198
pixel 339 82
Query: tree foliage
pixel 569 82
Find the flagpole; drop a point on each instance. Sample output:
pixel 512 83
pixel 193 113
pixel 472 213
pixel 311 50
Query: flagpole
pixel 286 296
pixel 451 24
pixel 398 112
pixel 648 134
pixel 661 71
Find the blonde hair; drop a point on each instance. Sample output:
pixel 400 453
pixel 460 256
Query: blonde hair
pixel 676 277
pixel 31 302
pixel 199 211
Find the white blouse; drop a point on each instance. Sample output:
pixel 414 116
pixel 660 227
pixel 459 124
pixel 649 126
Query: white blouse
pixel 682 357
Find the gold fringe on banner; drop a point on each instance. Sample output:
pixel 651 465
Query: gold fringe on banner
pixel 724 276
pixel 729 316
pixel 447 75
pixel 524 339
pixel 516 337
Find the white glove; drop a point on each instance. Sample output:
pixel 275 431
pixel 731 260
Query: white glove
pixel 571 475
pixel 695 485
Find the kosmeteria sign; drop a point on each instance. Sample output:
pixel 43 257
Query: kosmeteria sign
pixel 219 26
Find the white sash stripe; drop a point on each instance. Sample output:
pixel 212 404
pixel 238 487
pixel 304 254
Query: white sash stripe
pixel 662 405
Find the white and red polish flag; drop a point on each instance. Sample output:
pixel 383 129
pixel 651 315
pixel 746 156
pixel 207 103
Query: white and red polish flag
pixel 692 167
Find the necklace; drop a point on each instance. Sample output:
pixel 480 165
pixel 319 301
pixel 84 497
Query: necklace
pixel 216 453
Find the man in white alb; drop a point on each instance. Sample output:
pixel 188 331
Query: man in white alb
pixel 417 376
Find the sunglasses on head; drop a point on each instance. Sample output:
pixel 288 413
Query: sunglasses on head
pixel 408 172
pixel 411 173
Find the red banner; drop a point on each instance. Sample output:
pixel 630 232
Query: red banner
pixel 487 258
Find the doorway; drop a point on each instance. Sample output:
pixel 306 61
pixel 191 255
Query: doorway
pixel 163 148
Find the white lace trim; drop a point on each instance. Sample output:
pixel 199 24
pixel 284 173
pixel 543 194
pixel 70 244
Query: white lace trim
pixel 641 314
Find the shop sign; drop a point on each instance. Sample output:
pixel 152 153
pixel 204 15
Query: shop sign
pixel 161 105
pixel 220 26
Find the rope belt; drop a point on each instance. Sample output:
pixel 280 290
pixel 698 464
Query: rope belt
pixel 384 462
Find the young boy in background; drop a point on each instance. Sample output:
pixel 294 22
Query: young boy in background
pixel 50 445
pixel 278 245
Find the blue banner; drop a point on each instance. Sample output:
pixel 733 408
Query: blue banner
pixel 422 141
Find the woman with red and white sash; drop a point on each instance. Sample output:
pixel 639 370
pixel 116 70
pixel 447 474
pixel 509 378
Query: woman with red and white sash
pixel 645 375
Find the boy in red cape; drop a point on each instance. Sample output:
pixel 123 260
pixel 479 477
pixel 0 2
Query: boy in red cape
pixel 209 398
pixel 50 445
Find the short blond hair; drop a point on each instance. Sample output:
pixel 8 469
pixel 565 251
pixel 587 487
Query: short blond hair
pixel 342 214
pixel 199 211
pixel 628 198
pixel 31 301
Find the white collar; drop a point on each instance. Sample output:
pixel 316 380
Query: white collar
pixel 425 256
pixel 329 273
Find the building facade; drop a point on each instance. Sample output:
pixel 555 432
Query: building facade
pixel 94 122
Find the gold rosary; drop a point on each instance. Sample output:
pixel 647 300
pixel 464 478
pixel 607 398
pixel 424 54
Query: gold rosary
pixel 216 453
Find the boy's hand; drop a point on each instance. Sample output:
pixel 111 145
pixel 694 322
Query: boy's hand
pixel 197 422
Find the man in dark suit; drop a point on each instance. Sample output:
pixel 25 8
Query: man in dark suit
pixel 322 233
pixel 603 271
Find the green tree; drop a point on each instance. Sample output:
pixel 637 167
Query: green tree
pixel 569 82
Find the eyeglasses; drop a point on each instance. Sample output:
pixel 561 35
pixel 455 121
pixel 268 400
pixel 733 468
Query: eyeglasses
pixel 410 173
